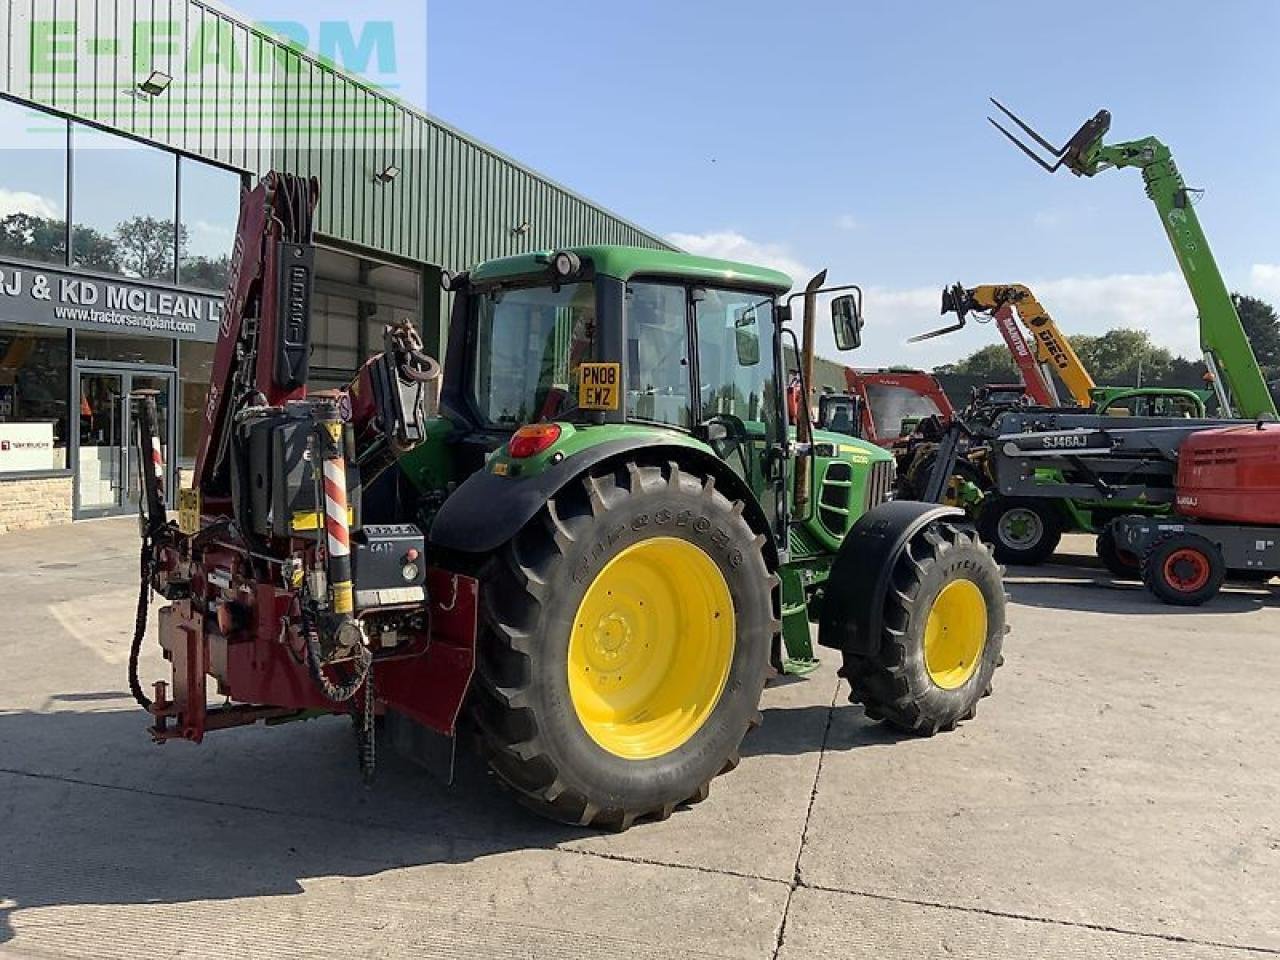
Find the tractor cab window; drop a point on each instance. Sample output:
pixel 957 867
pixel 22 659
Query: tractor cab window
pixel 529 344
pixel 735 357
pixel 896 410
pixel 658 354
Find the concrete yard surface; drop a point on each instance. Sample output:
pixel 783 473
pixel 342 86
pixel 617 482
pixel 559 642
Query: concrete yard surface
pixel 1115 797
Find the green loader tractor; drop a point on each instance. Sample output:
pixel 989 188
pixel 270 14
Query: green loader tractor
pixel 614 463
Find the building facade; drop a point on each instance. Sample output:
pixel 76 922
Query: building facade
pixel 127 130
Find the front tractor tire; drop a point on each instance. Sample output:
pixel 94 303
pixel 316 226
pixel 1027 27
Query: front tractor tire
pixel 624 643
pixel 941 635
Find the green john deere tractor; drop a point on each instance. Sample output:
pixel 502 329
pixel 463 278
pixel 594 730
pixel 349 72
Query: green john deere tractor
pixel 614 463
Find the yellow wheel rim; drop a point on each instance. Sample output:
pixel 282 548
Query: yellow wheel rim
pixel 955 634
pixel 650 648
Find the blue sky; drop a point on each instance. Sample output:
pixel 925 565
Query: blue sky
pixel 852 136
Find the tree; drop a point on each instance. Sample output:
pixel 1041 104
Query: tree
pixel 992 362
pixel 41 238
pixel 33 238
pixel 146 247
pixel 94 250
pixel 207 272
pixel 1123 357
pixel 1262 327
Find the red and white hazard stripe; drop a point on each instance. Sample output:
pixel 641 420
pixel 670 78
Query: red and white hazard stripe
pixel 157 461
pixel 335 508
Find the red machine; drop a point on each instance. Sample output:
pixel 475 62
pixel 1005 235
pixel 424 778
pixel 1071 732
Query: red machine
pixel 264 569
pixel 1227 520
pixel 894 401
pixel 1231 475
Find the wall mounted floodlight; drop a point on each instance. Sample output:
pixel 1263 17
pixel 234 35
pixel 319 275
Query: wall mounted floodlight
pixel 155 84
pixel 388 173
pixel 521 228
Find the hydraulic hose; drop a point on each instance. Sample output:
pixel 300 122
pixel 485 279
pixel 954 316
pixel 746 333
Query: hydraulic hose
pixel 337 692
pixel 140 624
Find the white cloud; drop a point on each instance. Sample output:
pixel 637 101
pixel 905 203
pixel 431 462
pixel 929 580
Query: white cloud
pixel 20 201
pixel 1264 281
pixel 846 221
pixel 731 245
pixel 1158 303
pixel 209 239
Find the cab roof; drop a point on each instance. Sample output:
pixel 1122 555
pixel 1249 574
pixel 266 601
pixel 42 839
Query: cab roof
pixel 624 263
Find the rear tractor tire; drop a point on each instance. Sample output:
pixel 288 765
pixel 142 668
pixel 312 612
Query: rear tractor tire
pixel 1183 569
pixel 624 643
pixel 942 633
pixel 1021 530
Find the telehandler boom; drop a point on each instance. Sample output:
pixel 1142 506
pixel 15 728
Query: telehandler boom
pixel 1242 389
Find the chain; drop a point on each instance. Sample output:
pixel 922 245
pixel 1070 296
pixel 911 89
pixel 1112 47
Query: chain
pixel 337 692
pixel 368 746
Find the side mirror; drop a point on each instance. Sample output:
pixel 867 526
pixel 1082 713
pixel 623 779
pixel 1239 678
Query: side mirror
pixel 846 321
pixel 746 335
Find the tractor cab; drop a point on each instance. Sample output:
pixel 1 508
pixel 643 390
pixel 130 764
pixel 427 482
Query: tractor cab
pixel 552 353
pixel 840 413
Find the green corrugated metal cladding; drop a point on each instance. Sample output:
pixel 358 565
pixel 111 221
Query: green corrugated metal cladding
pixel 248 100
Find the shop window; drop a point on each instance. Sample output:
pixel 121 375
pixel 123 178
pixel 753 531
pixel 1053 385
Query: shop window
pixel 112 349
pixel 123 195
pixel 195 371
pixel 210 200
pixel 34 387
pixel 355 297
pixel 33 185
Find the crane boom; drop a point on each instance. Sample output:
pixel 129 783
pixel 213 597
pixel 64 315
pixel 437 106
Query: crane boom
pixel 1226 346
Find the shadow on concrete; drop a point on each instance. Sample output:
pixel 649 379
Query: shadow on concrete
pixel 94 814
pixel 91 813
pixel 1126 598
pixel 794 731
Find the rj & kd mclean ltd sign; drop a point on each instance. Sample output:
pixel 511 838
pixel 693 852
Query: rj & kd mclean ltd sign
pixel 63 299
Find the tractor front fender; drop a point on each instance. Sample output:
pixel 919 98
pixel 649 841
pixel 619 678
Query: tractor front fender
pixel 854 595
pixel 487 510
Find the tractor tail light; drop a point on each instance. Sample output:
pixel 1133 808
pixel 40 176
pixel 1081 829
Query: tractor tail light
pixel 531 439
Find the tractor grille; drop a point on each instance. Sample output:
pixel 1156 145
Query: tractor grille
pixel 833 497
pixel 880 483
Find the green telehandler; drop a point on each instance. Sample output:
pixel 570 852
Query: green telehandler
pixel 1238 381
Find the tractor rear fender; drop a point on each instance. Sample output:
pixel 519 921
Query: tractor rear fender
pixel 853 599
pixel 487 510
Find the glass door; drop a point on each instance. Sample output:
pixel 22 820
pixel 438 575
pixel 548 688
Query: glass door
pixel 100 469
pixel 107 465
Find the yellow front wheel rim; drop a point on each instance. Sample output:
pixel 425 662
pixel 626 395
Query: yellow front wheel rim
pixel 955 634
pixel 650 648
